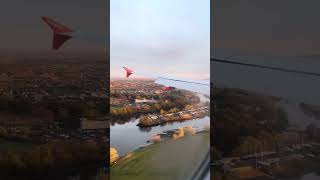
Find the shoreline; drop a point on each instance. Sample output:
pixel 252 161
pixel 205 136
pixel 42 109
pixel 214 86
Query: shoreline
pixel 119 133
pixel 155 120
pixel 142 148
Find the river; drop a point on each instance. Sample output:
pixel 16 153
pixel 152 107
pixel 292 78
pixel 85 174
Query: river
pixel 128 137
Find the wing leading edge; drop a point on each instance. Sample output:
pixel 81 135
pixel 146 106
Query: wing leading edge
pixel 202 87
pixel 198 86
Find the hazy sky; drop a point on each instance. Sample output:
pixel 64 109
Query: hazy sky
pixel 276 33
pixel 23 29
pixel 169 37
pixel 272 27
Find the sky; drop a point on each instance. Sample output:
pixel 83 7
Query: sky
pixel 272 27
pixel 169 37
pixel 22 28
pixel 274 33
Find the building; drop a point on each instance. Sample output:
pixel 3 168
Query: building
pixel 145 101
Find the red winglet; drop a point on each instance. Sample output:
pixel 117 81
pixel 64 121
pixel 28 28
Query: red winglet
pixel 58 40
pixel 128 71
pixel 59 32
pixel 167 88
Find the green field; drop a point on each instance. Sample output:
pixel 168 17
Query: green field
pixel 172 159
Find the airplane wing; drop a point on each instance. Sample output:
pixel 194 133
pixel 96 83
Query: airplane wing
pixel 202 87
pixel 198 86
pixel 293 79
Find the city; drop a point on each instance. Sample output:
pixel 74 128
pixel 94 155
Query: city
pixel 52 104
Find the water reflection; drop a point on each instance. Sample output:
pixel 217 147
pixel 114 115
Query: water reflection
pixel 122 121
pixel 145 129
pixel 128 137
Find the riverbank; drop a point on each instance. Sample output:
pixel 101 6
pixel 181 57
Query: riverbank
pixel 128 137
pixel 154 120
pixel 163 160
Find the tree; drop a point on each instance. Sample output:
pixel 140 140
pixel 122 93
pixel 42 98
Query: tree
pixel 174 110
pixel 162 112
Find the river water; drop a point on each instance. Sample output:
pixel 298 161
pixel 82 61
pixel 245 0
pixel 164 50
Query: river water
pixel 128 137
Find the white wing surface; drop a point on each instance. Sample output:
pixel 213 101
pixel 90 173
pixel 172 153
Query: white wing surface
pixel 198 86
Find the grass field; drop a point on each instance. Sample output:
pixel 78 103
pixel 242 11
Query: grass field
pixel 172 159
